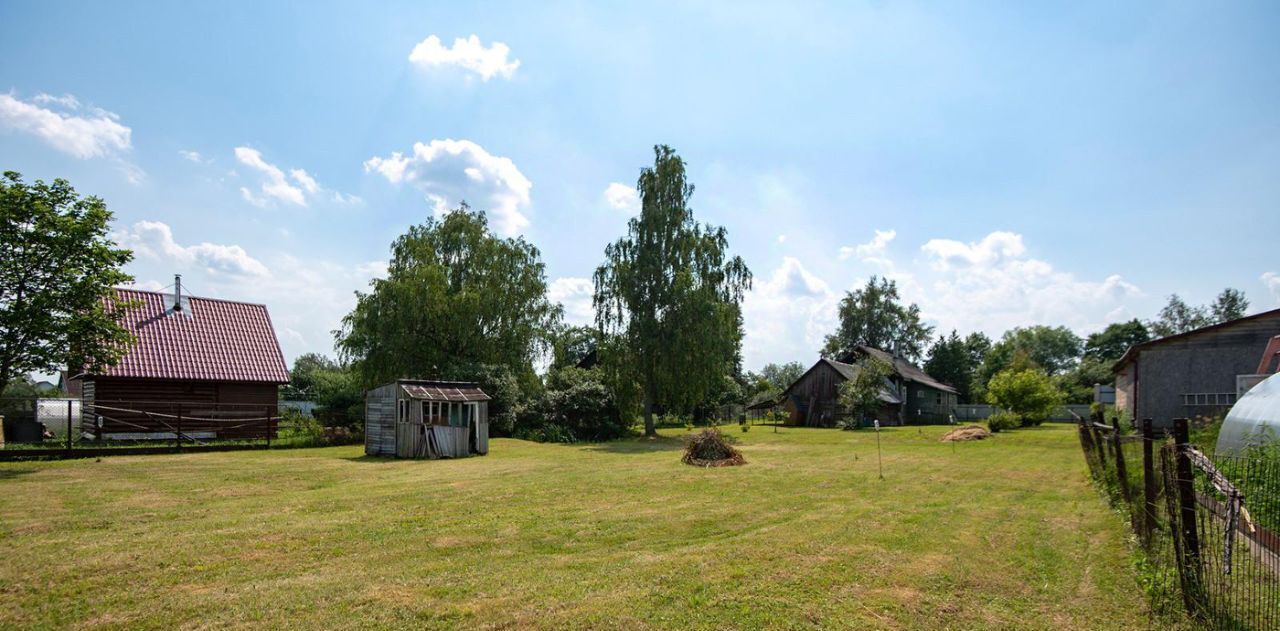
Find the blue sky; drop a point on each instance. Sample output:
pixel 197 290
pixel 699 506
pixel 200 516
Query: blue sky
pixel 1008 164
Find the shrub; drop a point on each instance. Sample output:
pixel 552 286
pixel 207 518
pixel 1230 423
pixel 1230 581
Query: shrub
pixel 576 404
pixel 1001 421
pixel 711 448
pixel 849 423
pixel 1028 393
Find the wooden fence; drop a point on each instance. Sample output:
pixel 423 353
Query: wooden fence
pixel 1207 526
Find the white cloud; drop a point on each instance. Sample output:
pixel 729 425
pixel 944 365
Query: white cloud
pixel 66 126
pixel 468 54
pixel 274 184
pixel 787 316
pixel 575 295
pixel 154 239
pixel 991 250
pixel 873 251
pixel 304 180
pixel 191 155
pixel 782 238
pixel 621 197
pixel 1272 281
pixel 451 171
pixel 992 286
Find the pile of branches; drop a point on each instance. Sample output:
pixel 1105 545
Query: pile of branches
pixel 711 448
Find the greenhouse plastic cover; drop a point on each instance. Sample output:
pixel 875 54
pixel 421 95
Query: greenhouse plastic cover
pixel 1255 418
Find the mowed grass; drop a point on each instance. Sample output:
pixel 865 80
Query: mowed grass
pixel 1004 533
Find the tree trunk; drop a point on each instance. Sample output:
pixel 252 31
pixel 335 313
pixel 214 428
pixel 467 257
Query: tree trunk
pixel 649 430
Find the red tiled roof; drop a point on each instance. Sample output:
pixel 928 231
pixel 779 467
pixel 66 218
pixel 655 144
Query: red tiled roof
pixel 217 340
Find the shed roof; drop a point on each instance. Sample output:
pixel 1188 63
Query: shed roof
pixel 209 340
pixel 453 391
pixel 1132 352
pixel 906 369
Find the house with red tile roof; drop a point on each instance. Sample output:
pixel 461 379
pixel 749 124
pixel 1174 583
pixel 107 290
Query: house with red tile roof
pixel 200 367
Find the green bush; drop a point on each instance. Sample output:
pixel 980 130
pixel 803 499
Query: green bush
pixel 1027 393
pixel 575 405
pixel 1001 421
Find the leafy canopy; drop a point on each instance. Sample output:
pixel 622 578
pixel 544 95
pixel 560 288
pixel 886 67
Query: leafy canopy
pixel 57 269
pixel 955 360
pixel 668 297
pixel 1052 349
pixel 861 395
pixel 1179 317
pixel 455 297
pixel 1109 344
pixel 875 316
pixel 1028 392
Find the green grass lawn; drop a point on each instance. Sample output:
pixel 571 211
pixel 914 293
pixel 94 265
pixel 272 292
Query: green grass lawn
pixel 1004 533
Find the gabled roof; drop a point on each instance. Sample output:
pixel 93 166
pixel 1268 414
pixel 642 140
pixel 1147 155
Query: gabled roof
pixel 905 369
pixel 1132 352
pixel 846 371
pixel 209 340
pixel 455 391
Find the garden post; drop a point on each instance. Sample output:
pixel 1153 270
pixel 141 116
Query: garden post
pixel 1148 481
pixel 1122 474
pixel 1190 569
pixel 68 426
pixel 177 435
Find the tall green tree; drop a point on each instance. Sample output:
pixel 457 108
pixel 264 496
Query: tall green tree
pixel 572 344
pixel 1109 344
pixel 456 298
pixel 58 265
pixel 861 395
pixel 875 316
pixel 951 361
pixel 1229 305
pixel 781 376
pixel 668 297
pixel 1179 317
pixel 1055 350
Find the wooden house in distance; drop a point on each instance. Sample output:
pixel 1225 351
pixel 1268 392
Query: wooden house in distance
pixel 412 418
pixel 215 363
pixel 910 396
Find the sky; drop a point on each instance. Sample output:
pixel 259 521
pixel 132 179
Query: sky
pixel 1007 164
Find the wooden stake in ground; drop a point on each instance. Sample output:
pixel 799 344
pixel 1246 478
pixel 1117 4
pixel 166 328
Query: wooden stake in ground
pixel 879 458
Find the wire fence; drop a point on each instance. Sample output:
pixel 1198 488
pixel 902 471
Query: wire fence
pixel 1207 527
pixel 70 427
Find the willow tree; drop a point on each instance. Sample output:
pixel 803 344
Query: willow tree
pixel 668 297
pixel 456 297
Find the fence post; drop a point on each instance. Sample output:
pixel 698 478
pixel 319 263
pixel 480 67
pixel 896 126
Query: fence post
pixel 68 426
pixel 1122 473
pixel 177 435
pixel 1148 481
pixel 1098 442
pixel 1190 569
pixel 269 424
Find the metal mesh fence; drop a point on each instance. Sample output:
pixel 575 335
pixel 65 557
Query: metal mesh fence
pixel 1206 526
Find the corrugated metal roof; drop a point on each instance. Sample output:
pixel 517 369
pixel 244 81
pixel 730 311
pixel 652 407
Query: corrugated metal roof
pixel 215 340
pixel 444 391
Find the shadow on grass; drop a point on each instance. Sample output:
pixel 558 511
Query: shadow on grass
pixel 8 474
pixel 634 445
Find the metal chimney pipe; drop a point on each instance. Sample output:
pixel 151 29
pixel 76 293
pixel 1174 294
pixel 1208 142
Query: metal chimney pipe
pixel 177 292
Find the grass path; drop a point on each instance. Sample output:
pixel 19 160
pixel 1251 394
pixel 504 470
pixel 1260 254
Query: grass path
pixel 1005 533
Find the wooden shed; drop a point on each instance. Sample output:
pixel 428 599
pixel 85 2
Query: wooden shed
pixel 412 418
pixel 909 396
pixel 201 367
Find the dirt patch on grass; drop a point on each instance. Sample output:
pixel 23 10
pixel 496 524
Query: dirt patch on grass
pixel 968 432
